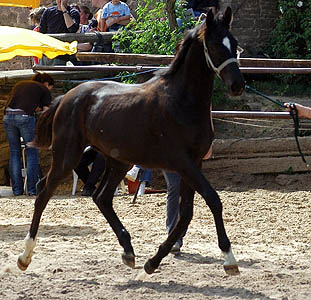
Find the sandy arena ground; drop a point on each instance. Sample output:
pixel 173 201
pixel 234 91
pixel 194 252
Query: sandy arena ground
pixel 78 256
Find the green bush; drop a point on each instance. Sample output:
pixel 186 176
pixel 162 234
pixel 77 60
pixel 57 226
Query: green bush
pixel 150 33
pixel 291 37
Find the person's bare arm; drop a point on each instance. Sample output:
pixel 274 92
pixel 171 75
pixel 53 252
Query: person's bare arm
pixel 103 25
pixel 124 20
pixel 303 111
pixel 84 46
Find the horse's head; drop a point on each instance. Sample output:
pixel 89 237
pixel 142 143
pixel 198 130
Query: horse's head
pixel 220 48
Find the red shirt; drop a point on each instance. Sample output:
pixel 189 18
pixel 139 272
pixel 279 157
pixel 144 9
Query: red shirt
pixel 36 59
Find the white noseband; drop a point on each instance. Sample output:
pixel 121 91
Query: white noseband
pixel 222 66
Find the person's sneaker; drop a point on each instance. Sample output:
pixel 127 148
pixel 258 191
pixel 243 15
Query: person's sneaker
pixel 88 190
pixel 132 174
pixel 175 249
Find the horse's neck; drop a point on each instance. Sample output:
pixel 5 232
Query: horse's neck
pixel 190 90
pixel 195 80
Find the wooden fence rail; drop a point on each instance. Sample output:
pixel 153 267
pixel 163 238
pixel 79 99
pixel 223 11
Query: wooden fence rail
pixel 251 114
pixel 157 60
pixel 130 58
pixel 117 69
pixel 90 37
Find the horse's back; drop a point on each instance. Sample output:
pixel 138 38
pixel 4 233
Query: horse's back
pixel 110 115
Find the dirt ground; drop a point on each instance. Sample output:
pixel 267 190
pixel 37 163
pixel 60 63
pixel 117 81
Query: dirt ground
pixel 78 256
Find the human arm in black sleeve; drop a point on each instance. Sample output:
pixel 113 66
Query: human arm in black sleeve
pixel 71 17
pixel 43 22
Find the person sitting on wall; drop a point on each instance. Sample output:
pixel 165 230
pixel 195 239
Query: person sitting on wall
pixel 116 15
pixel 202 6
pixel 87 24
pixel 59 19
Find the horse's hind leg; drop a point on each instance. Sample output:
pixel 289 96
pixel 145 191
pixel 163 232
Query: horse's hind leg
pixel 115 172
pixel 185 216
pixel 61 167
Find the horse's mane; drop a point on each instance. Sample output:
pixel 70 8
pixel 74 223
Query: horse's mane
pixel 183 46
pixel 182 49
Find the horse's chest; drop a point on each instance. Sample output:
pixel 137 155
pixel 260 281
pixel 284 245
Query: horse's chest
pixel 202 136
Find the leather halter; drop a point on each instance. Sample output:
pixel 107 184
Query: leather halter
pixel 218 69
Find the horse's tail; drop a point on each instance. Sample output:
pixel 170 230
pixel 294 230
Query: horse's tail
pixel 43 131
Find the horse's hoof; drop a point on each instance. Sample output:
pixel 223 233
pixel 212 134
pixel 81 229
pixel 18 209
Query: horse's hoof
pixel 21 265
pixel 129 259
pixel 232 270
pixel 148 268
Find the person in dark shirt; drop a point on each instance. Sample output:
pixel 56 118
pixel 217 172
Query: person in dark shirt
pixel 59 19
pixel 19 122
pixel 202 6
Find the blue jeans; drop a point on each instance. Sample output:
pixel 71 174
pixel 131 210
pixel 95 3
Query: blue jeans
pixel 146 175
pixel 172 203
pixel 17 126
pixel 115 27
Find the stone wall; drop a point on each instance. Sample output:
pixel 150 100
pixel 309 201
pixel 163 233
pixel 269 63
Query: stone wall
pixel 252 23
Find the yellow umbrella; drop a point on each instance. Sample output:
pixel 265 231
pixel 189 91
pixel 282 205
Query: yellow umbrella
pixel 24 42
pixel 20 3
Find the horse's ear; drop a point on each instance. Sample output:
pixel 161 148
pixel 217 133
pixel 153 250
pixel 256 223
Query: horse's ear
pixel 209 20
pixel 228 17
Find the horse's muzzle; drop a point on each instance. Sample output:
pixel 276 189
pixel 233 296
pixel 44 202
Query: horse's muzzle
pixel 237 88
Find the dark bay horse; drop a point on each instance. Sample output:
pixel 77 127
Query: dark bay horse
pixel 163 123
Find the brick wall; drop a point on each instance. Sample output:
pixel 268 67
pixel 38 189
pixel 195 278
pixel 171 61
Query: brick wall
pixel 252 23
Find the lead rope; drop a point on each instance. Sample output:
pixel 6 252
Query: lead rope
pixel 294 114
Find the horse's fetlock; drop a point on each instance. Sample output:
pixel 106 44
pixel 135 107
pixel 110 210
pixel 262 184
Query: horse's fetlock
pixel 124 234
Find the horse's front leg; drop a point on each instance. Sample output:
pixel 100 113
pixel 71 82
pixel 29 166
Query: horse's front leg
pixel 114 173
pixel 42 199
pixel 45 187
pixel 192 174
pixel 184 218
